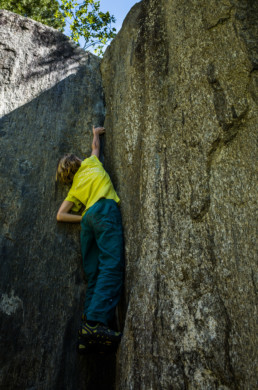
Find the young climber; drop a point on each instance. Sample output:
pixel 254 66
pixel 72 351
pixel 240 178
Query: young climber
pixel 101 238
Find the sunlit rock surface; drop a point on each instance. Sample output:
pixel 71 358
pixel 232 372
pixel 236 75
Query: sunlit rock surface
pixel 180 84
pixel 51 94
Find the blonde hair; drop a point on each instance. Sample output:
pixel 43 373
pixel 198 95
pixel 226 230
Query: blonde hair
pixel 67 167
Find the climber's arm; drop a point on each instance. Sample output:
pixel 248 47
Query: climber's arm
pixel 63 214
pixel 95 147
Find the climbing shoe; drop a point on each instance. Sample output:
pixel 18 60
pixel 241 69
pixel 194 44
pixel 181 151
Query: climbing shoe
pixel 89 346
pixel 97 339
pixel 99 333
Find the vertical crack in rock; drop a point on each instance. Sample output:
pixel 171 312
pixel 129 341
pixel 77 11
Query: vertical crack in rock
pixel 51 94
pixel 227 118
pixel 179 78
pixel 180 86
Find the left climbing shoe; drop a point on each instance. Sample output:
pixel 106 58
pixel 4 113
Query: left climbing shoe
pixel 99 333
pixel 87 346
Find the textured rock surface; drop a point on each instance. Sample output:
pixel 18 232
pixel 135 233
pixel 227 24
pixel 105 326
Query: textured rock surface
pixel 180 84
pixel 51 93
pixel 181 92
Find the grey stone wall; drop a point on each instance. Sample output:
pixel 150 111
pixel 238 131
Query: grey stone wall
pixel 180 86
pixel 180 83
pixel 51 94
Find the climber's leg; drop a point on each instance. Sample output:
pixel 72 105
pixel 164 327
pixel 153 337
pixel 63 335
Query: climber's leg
pixel 108 233
pixel 90 254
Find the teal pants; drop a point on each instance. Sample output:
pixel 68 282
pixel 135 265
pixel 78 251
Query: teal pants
pixel 103 259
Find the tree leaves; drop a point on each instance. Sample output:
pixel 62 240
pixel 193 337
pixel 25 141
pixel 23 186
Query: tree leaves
pixel 86 21
pixel 44 11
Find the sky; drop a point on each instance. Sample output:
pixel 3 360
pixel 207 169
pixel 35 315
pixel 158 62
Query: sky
pixel 118 8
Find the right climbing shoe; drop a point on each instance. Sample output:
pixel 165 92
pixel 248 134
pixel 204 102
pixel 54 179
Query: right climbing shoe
pixel 99 333
pixel 88 346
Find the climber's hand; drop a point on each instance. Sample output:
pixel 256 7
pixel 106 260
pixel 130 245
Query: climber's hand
pixel 98 130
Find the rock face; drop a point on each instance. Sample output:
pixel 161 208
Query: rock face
pixel 180 84
pixel 51 94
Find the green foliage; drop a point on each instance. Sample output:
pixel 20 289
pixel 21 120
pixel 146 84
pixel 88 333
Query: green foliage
pixel 87 21
pixel 84 18
pixel 44 11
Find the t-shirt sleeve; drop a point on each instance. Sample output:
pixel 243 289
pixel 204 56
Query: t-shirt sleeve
pixel 95 159
pixel 92 161
pixel 77 204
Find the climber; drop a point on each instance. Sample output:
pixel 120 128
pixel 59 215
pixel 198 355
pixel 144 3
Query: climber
pixel 101 239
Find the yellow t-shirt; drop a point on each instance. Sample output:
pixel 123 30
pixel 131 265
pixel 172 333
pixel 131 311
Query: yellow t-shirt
pixel 90 183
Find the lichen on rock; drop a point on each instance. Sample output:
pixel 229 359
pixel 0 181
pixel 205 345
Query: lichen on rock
pixel 180 85
pixel 181 105
pixel 51 94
